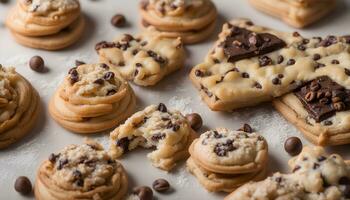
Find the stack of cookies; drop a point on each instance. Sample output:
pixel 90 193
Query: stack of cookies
pixel 223 160
pixel 193 21
pixel 19 106
pixel 46 24
pixel 168 131
pixel 92 98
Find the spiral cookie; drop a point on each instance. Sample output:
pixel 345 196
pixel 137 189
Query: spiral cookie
pixel 46 24
pixel 145 59
pixel 81 172
pixel 92 98
pixel 223 160
pixel 156 126
pixel 192 20
pixel 19 106
pixel 315 175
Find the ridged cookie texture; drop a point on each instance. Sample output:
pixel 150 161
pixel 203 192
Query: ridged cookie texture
pixel 81 172
pixel 166 130
pixel 19 106
pixel 315 175
pixel 91 99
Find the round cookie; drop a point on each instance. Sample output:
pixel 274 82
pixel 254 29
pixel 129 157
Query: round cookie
pixel 178 15
pixel 92 98
pixel 19 105
pixel 60 40
pixel 187 37
pixel 81 172
pixel 230 152
pixel 168 131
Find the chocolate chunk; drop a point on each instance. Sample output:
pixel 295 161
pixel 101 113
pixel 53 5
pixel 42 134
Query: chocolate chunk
pixel 123 143
pixel 246 128
pixel 143 192
pixel 118 20
pixel 316 57
pixel 276 81
pixel 23 185
pixel 324 105
pixel 195 121
pixel 52 158
pixel 108 76
pixel 99 81
pixel 78 63
pixel 291 62
pixel 161 185
pixel 293 146
pixel 134 52
pixel 264 61
pixel 243 43
pixel 162 108
pixel 158 136
pixel 335 62
pixel 221 149
pixel 128 38
pixel 37 64
pixel 328 41
pixel 280 59
pixel 305 41
pixel 62 163
pixel 245 75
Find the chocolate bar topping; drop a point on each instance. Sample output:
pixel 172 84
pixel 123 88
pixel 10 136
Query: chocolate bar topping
pixel 322 98
pixel 242 43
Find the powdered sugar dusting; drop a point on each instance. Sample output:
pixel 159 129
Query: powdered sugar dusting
pixel 181 104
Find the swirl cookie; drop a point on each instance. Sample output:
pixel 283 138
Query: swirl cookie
pixel 92 98
pixel 19 106
pixel 223 160
pixel 157 127
pixel 315 175
pixel 81 172
pixel 145 59
pixel 192 20
pixel 46 24
pixel 296 13
pixel 251 64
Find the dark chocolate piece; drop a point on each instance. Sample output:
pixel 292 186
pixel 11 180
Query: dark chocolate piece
pixel 243 43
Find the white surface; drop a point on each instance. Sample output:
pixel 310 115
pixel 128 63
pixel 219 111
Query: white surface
pixel 176 90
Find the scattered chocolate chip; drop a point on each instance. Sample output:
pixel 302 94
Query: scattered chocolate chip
pixel 52 158
pixel 62 163
pixel 296 34
pixel 158 136
pixel 293 146
pixel 291 62
pixel 176 127
pixel 316 166
pixel 123 143
pixel 144 43
pixel 245 75
pixel 257 85
pixel 74 76
pixel 78 63
pixel 316 57
pixel 23 185
pixel 321 158
pixel 108 76
pixel 121 64
pixel 134 52
pixel 111 92
pixel 280 76
pixel 306 41
pixel 162 108
pixel 246 128
pixel 327 123
pixel 221 149
pixel 328 41
pixel 280 59
pixel 335 62
pixel 264 61
pixel 118 20
pixel 296 168
pixel 99 81
pixel 161 185
pixel 301 47
pixel 37 64
pixel 195 121
pixel 143 192
pixel 104 66
pixel 276 81
pixel 138 65
pixel 127 38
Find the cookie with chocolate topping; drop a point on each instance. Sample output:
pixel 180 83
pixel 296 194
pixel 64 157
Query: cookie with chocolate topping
pixel 144 59
pixel 166 130
pixel 81 171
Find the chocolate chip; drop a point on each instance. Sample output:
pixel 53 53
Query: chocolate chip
pixel 118 20
pixel 143 192
pixel 127 38
pixel 301 47
pixel 162 108
pixel 335 62
pixel 134 52
pixel 264 61
pixel 144 43
pixel 99 81
pixel 37 64
pixel 195 121
pixel 136 72
pixel 78 63
pixel 306 41
pixel 176 127
pixel 121 64
pixel 111 92
pixel 221 149
pixel 296 168
pixel 316 166
pixel 158 136
pixel 74 76
pixel 62 163
pixel 293 146
pixel 108 76
pixel 52 158
pixel 319 65
pixel 316 57
pixel 123 143
pixel 280 76
pixel 245 75
pixel 291 62
pixel 23 185
pixel 328 41
pixel 280 59
pixel 138 65
pixel 296 34
pixel 161 185
pixel 257 85
pixel 344 180
pixel 104 66
pixel 321 158
pixel 276 81
pixel 327 123
pixel 246 128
